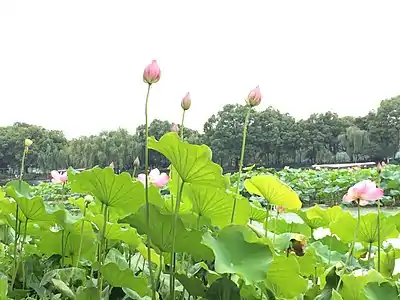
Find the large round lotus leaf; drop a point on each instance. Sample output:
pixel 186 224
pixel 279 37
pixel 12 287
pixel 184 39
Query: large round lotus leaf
pixel 325 255
pixel 344 227
pixel 317 217
pixel 353 286
pixel 376 291
pixel 223 289
pixel 314 222
pixel 113 190
pixel 284 277
pixel 124 278
pixel 193 285
pixel 30 207
pixel 238 250
pixel 192 162
pixel 388 262
pixel 116 231
pixel 217 205
pixel 257 212
pixel 273 190
pixel 160 232
pixel 368 232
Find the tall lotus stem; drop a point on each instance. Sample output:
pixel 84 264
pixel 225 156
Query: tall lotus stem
pixel 185 104
pixel 246 122
pixel 173 257
pixel 379 235
pixel 151 75
pixel 379 167
pixel 146 189
pixel 81 235
pixel 352 244
pixel 182 127
pixel 266 221
pixel 102 252
pixel 28 143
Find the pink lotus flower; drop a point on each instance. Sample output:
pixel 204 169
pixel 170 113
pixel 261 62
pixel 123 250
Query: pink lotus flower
pixel 186 102
pixel 254 97
pixel 155 177
pixel 364 192
pixel 175 128
pixel 59 177
pixel 152 73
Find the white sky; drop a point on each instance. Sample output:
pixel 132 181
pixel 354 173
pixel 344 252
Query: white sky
pixel 78 65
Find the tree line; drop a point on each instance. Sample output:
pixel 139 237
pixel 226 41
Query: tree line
pixel 274 139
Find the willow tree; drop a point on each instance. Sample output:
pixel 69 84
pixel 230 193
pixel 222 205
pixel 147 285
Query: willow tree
pixel 355 142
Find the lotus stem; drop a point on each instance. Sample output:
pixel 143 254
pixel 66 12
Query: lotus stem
pixel 266 221
pixel 81 236
pixel 182 126
pixel 146 189
pixel 20 255
pixel 379 235
pixel 246 122
pixel 378 221
pixel 369 252
pixel 330 249
pixel 352 244
pixel 17 222
pixel 173 257
pixel 102 253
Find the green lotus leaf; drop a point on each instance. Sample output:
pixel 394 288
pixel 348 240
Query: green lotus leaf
pixel 325 255
pixel 257 212
pixel 193 285
pixel 160 232
pixel 124 278
pixel 379 291
pixel 117 231
pixel 87 293
pixel 284 278
pixel 336 295
pixel 344 227
pixel 3 286
pixel 217 205
pixel 388 261
pixel 223 289
pixel 192 162
pixel 50 243
pixel 353 286
pixel 231 248
pixel 113 190
pixel 368 232
pixel 273 190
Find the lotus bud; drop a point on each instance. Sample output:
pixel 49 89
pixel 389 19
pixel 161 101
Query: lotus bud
pixel 136 162
pixel 112 165
pixel 379 167
pixel 175 128
pixel 254 97
pixel 28 143
pixel 89 199
pixel 152 73
pixel 186 102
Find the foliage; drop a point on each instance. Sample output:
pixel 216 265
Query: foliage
pixel 329 186
pixel 216 260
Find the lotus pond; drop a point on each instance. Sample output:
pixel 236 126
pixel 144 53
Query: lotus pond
pixel 198 234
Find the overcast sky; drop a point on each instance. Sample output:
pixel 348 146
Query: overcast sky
pixel 78 65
